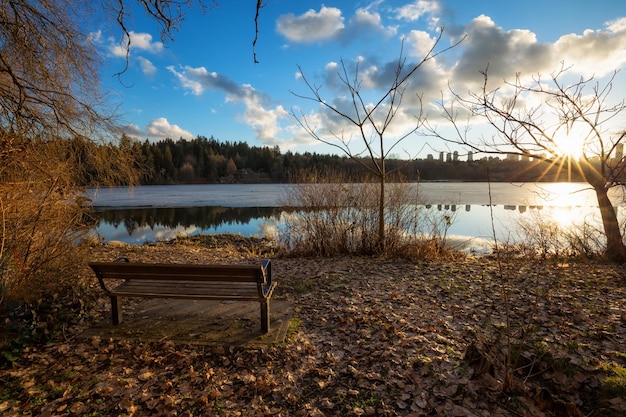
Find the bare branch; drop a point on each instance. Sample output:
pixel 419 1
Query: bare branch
pixel 534 132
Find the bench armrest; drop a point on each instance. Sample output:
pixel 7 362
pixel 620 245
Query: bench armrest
pixel 101 278
pixel 268 286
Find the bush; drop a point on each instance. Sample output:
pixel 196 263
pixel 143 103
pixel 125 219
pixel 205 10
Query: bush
pixel 544 237
pixel 331 216
pixel 41 225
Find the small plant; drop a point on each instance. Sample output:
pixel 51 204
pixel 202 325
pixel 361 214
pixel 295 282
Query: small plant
pixel 614 385
pixel 292 328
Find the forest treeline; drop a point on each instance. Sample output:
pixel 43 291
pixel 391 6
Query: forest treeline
pixel 208 160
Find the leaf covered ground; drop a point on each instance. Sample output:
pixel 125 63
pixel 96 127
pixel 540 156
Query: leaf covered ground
pixel 370 336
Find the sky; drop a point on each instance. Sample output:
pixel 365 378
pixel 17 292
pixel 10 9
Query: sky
pixel 205 82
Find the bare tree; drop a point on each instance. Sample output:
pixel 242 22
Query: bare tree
pixel 570 126
pixel 370 121
pixel 52 112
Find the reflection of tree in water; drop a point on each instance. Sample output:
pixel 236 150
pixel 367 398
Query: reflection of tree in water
pixel 173 217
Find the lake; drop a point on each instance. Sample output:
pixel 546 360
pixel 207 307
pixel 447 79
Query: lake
pixel 162 212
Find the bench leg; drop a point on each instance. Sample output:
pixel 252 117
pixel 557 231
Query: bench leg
pixel 116 310
pixel 265 316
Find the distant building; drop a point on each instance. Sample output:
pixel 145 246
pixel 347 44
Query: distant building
pixel 441 156
pixel 470 156
pixel 455 156
pixel 430 157
pixel 449 157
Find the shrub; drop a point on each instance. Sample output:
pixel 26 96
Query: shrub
pixel 331 216
pixel 544 237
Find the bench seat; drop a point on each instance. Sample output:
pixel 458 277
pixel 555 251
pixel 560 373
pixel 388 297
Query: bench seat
pixel 184 281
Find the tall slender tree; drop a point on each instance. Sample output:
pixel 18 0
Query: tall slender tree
pixel 369 121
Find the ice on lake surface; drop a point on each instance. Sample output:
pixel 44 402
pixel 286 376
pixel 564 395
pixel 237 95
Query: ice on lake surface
pixel 162 212
pixel 189 195
pixel 270 195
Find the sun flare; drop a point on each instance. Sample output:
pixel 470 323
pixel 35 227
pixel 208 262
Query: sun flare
pixel 566 217
pixel 570 144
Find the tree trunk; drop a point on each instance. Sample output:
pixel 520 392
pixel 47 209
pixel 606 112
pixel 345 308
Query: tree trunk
pixel 615 248
pixel 381 200
pixel 381 215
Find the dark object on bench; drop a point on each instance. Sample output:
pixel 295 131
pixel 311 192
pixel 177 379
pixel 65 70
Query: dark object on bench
pixel 198 282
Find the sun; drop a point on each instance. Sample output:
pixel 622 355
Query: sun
pixel 566 217
pixel 569 143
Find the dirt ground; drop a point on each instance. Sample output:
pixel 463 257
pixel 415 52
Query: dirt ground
pixel 197 322
pixel 365 337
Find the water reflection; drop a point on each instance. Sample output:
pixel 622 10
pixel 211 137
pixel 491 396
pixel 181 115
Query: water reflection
pixel 138 225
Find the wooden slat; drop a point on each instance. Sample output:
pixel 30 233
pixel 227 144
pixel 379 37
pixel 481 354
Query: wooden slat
pixel 241 282
pixel 240 273
pixel 200 282
pixel 189 288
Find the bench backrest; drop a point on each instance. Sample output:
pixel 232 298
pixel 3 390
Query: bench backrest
pixel 186 272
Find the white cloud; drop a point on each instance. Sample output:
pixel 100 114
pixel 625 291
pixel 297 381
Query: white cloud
pixel 260 114
pixel 189 78
pixel 366 23
pixel 134 131
pixel 595 52
pixel 617 25
pixel 417 10
pixel 147 67
pixel 142 41
pixel 312 26
pixel 420 9
pixel 420 43
pixel 264 121
pixel 328 24
pixel 375 80
pixel 163 129
pixel 517 51
pixel 505 52
pixel 95 37
pixel 157 129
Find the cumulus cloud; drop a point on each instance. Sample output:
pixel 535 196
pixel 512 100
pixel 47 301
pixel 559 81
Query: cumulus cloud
pixel 264 120
pixel 141 41
pixel 517 51
pixel 328 24
pixel 598 52
pixel 617 26
pixel 312 26
pixel 157 129
pixel 505 52
pixel 197 80
pixel 419 43
pixel 429 79
pixel 260 113
pixel 366 22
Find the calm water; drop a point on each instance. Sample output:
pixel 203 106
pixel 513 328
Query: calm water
pixel 151 213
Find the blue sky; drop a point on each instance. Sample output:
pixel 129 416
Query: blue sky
pixel 206 83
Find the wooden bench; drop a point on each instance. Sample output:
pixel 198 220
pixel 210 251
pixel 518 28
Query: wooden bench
pixel 198 282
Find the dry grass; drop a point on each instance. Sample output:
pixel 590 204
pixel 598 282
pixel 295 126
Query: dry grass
pixel 337 217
